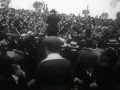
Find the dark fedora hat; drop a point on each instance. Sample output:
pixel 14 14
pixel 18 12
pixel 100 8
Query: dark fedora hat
pixel 53 11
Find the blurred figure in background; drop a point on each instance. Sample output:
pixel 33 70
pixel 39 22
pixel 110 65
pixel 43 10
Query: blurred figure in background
pixel 52 22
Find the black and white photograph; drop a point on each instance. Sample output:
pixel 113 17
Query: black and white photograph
pixel 59 44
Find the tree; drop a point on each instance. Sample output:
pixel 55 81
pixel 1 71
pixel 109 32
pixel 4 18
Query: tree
pixel 40 6
pixel 4 3
pixel 37 5
pixel 104 15
pixel 86 12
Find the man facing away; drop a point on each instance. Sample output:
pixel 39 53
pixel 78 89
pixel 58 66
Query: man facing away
pixel 54 72
pixel 52 22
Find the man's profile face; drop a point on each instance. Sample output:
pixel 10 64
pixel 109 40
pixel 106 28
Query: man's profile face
pixel 18 71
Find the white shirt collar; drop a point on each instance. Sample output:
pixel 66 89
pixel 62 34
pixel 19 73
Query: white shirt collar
pixel 53 56
pixel 15 78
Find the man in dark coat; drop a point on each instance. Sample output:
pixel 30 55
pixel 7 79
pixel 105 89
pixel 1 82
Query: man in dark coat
pixel 52 22
pixel 16 79
pixel 54 72
pixel 85 70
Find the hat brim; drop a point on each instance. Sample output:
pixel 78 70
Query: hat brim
pixel 64 45
pixel 73 46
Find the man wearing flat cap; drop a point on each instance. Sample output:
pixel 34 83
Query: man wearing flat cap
pixel 52 22
pixel 54 72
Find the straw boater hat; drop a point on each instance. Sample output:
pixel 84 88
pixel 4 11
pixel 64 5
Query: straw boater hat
pixel 64 41
pixel 73 45
pixel 36 37
pixel 112 42
pixel 30 33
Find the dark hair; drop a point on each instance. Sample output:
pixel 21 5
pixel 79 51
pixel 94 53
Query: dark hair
pixel 53 43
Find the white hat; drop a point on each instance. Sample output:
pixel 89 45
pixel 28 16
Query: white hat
pixel 64 41
pixel 23 35
pixel 73 44
pixel 36 37
pixel 30 32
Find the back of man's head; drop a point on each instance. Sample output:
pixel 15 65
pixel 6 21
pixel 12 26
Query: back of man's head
pixel 52 43
pixel 53 11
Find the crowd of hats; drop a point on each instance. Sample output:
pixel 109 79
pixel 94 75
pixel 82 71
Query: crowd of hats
pixel 24 23
pixel 30 27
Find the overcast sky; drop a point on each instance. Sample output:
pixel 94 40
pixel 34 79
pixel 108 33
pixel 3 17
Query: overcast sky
pixel 96 7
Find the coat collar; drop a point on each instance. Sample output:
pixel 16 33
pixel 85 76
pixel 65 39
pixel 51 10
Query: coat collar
pixel 15 78
pixel 53 56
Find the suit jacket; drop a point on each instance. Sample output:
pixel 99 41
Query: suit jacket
pixel 12 84
pixel 52 22
pixel 3 82
pixel 70 55
pixel 54 74
pixel 8 83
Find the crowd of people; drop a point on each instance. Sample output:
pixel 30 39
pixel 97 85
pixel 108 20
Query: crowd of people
pixel 40 50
